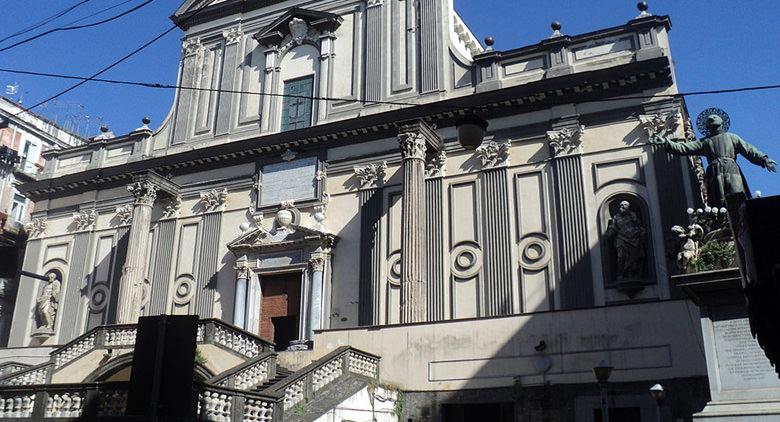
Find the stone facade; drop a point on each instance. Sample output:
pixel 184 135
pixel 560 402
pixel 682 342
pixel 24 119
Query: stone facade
pixel 498 254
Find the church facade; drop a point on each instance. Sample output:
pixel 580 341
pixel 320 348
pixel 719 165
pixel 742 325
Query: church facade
pixel 308 189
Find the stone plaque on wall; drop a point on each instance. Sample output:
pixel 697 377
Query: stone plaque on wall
pixel 289 181
pixel 741 362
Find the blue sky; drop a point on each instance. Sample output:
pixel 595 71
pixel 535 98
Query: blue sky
pixel 715 44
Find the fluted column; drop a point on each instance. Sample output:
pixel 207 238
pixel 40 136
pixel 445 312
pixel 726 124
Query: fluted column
pixel 413 291
pixel 243 275
pixel 317 262
pixel 131 283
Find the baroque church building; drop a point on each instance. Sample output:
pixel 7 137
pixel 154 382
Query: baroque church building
pixel 311 197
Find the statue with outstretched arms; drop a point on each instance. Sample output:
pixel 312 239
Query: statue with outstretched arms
pixel 723 175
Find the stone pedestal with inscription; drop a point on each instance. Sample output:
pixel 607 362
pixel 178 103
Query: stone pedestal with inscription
pixel 743 384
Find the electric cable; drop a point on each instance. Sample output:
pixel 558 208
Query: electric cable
pixel 98 12
pixel 71 28
pixel 44 21
pixel 157 85
pixel 125 57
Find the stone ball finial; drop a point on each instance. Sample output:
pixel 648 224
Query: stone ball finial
pixel 104 128
pixel 489 41
pixel 146 120
pixel 556 26
pixel 642 6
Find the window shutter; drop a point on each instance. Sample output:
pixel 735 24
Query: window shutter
pixel 297 103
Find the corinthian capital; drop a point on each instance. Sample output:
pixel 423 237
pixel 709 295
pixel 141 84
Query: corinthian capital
pixel 372 175
pixel 493 154
pixel 412 145
pixel 660 124
pixel 565 141
pixel 145 192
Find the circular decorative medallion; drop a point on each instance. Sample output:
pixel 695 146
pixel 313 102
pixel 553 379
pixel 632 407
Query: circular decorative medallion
pixel 701 120
pixel 466 260
pixel 98 298
pixel 183 289
pixel 534 251
pixel 394 269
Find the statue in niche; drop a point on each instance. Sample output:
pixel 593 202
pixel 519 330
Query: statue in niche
pixel 723 175
pixel 628 239
pixel 47 303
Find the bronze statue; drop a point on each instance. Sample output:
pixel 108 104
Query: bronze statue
pixel 723 175
pixel 628 236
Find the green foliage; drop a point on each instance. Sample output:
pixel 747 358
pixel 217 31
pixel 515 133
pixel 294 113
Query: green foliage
pixel 299 409
pixel 398 407
pixel 715 255
pixel 199 358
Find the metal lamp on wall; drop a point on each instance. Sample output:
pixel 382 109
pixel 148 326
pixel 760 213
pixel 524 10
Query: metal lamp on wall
pixel 471 131
pixel 658 393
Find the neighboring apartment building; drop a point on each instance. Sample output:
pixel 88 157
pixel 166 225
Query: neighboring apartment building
pixel 360 233
pixel 24 136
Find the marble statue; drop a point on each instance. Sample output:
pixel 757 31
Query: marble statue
pixel 48 303
pixel 723 175
pixel 689 247
pixel 627 234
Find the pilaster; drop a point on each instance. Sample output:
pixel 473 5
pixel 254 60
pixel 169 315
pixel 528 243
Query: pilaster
pixel 371 178
pixel 374 50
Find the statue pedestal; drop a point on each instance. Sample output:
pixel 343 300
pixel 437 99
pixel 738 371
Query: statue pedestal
pixel 743 384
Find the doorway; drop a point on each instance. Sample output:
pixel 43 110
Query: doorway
pixel 280 308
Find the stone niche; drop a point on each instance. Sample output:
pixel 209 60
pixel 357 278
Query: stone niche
pixel 630 232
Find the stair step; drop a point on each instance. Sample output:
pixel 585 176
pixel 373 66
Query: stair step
pixel 281 373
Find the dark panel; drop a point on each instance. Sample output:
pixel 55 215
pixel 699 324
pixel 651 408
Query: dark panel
pixel 370 256
pixel 74 290
pixel 25 296
pixel 576 287
pixel 120 253
pixel 225 102
pixel 161 268
pixel 207 265
pixel 435 248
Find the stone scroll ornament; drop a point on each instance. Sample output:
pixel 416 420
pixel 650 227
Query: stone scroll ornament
pixel 36 227
pixel 721 147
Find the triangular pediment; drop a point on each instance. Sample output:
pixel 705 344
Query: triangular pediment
pixel 259 239
pixel 274 33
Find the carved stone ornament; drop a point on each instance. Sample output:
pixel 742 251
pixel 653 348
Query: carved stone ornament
pixel 47 304
pixel 412 145
pixel 243 270
pixel 317 263
pixel 192 46
pixel 124 214
pixel 36 226
pixel 320 210
pixel 232 35
pixel 321 175
pixel 372 175
pixel 372 3
pixel 214 199
pixel 565 141
pixel 172 207
pixel 436 166
pixel 289 155
pixel 287 205
pixel 85 219
pixel 145 192
pixel 493 154
pixel 688 252
pixel 660 125
pixel 298 30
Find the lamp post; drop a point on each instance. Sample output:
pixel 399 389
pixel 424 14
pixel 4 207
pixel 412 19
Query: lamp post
pixel 658 393
pixel 602 372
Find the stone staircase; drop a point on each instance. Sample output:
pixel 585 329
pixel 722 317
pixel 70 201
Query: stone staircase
pixel 253 388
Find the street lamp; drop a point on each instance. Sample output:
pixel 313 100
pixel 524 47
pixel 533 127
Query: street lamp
pixel 658 393
pixel 602 372
pixel 471 131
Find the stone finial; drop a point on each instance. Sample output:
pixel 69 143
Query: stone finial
pixel 663 125
pixel 105 133
pixel 489 41
pixel 437 165
pixel 493 154
pixel 124 214
pixel 145 192
pixel 556 27
pixel 36 226
pixel 214 199
pixel 85 219
pixel 372 175
pixel 145 123
pixel 642 7
pixel 565 141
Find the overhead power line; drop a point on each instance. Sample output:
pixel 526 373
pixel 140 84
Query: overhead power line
pixel 71 28
pixel 157 85
pixel 125 57
pixel 44 21
pixel 83 18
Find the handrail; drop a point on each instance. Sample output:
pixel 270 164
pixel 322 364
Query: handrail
pixel 227 404
pixel 32 375
pixel 249 374
pixel 86 400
